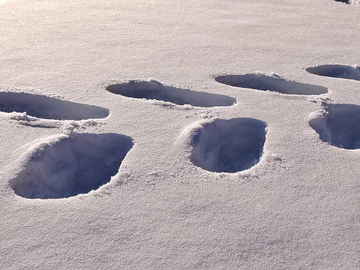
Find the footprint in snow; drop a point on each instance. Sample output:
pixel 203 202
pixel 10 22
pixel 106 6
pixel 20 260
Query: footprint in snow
pixel 228 145
pixel 336 71
pixel 68 165
pixel 354 2
pixel 48 108
pixel 155 90
pixel 338 125
pixel 271 83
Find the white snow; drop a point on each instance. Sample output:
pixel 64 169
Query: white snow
pixel 134 134
pixel 3 1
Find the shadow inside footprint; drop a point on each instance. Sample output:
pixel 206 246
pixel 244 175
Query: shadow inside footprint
pixel 339 125
pixel 336 71
pixel 71 165
pixel 155 90
pixel 228 145
pixel 48 108
pixel 271 83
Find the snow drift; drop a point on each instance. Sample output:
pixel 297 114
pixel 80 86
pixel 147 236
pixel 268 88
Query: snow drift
pixel 228 145
pixel 155 90
pixel 68 165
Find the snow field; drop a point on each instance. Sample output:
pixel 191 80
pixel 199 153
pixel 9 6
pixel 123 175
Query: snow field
pixel 61 168
pixel 297 208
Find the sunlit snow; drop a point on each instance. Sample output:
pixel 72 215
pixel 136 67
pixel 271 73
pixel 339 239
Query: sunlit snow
pixel 171 134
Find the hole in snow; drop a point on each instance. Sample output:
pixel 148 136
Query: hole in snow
pixel 155 90
pixel 271 83
pixel 339 125
pixel 336 71
pixel 48 108
pixel 71 165
pixel 228 145
pixel 353 2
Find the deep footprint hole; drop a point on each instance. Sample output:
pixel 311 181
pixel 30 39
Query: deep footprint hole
pixel 271 83
pixel 154 90
pixel 228 145
pixel 336 71
pixel 72 165
pixel 48 108
pixel 339 125
pixel 349 2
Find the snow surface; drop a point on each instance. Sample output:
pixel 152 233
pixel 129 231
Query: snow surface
pixel 133 134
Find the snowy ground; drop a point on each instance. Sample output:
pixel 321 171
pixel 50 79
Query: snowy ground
pixel 169 134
